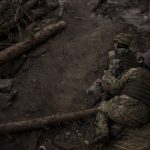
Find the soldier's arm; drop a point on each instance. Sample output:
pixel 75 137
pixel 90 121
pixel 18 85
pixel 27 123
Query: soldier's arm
pixel 116 67
pixel 111 56
pixel 114 85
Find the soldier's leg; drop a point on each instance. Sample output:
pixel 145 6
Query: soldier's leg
pixel 101 123
pixel 102 131
pixel 126 111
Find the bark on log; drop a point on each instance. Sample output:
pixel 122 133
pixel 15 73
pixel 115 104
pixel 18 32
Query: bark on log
pixel 41 122
pixel 23 47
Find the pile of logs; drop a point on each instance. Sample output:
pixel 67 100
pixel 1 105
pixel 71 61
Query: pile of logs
pixel 24 24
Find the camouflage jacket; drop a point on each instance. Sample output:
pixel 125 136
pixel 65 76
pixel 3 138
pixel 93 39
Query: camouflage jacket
pixel 121 59
pixel 135 83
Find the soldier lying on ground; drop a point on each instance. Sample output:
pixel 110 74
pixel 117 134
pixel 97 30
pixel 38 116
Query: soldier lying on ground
pixel 120 59
pixel 131 108
pixel 111 82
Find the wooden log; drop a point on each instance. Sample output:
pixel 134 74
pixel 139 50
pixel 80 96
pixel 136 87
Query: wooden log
pixel 23 47
pixel 33 124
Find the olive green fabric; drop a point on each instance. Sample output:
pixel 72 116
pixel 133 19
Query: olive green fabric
pixel 125 111
pixel 128 58
pixel 114 85
pixel 139 88
pixel 131 106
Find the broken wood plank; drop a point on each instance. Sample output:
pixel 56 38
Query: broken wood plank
pixel 33 124
pixel 38 38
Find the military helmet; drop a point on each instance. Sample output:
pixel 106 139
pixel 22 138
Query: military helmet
pixel 123 38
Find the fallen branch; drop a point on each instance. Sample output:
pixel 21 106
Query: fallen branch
pixel 14 15
pixel 41 122
pixel 26 7
pixel 23 47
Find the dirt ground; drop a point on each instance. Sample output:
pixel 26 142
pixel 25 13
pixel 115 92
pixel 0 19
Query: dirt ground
pixel 56 75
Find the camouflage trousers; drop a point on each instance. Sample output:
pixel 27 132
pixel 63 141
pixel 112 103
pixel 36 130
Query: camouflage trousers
pixel 123 110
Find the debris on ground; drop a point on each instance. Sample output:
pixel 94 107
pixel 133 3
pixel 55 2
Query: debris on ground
pixel 20 18
pixel 22 23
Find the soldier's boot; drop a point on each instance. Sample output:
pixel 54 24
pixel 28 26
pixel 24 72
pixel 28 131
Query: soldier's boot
pixel 102 131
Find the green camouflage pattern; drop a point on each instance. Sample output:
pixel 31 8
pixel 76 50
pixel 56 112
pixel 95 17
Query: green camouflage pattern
pixel 122 109
pixel 102 124
pixel 123 38
pixel 113 85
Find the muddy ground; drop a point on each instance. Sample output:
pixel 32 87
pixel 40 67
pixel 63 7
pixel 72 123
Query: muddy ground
pixel 56 75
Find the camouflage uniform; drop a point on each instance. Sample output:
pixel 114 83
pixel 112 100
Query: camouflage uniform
pixel 120 59
pixel 132 107
pixel 126 109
